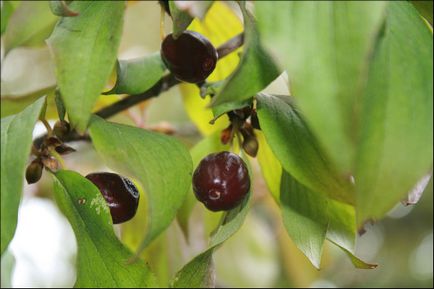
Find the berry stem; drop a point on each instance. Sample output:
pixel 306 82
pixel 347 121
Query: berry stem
pixel 162 20
pixel 59 159
pixel 47 126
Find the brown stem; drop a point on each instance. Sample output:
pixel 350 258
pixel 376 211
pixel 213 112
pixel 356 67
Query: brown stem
pixel 164 84
pixel 230 45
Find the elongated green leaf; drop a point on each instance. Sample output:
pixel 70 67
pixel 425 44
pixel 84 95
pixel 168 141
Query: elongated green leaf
pixel 137 75
pixel 196 273
pixel 325 47
pixel 181 19
pixel 304 214
pixel 30 23
pixel 297 148
pixel 255 71
pixel 16 140
pixel 102 260
pixel 397 129
pixel 358 263
pixel 207 145
pixel 342 225
pixel 84 49
pixel 160 163
pixel 342 231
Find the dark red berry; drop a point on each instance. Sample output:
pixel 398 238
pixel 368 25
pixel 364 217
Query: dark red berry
pixel 221 181
pixel 120 193
pixel 190 57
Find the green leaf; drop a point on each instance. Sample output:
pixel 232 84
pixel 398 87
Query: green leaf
pixel 7 269
pixel 297 149
pixel 342 225
pixel 161 164
pixel 218 111
pixel 138 75
pixel 196 273
pixel 359 264
pixel 30 23
pixel 14 105
pixel 325 47
pixel 396 136
pixel 207 145
pixel 271 168
pixel 102 260
pixel 181 19
pixel 84 50
pixel 255 71
pixel 60 8
pixel 304 214
pixel 7 9
pixel 16 140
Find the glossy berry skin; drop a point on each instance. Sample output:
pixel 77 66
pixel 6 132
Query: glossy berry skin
pixel 120 193
pixel 190 57
pixel 221 181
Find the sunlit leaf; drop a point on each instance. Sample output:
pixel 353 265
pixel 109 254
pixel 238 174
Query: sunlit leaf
pixel 270 166
pixel 102 260
pixel 159 162
pixel 16 140
pixel 85 49
pixel 219 25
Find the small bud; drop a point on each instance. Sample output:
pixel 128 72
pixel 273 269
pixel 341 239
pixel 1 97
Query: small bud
pixel 254 120
pixel 52 142
pixel 61 129
pixel 251 145
pixel 64 149
pixel 50 163
pixel 226 134
pixel 34 171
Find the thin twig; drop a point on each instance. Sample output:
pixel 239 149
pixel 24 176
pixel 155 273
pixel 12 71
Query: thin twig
pixel 230 45
pixel 164 84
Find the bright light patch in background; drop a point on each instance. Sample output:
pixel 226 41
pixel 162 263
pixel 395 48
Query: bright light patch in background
pixel 44 246
pixel 421 260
